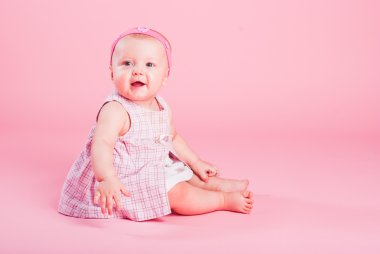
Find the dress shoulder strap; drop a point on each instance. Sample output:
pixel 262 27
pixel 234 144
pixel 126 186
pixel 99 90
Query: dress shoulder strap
pixel 162 102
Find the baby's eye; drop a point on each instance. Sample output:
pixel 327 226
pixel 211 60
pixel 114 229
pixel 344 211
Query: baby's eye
pixel 127 63
pixel 150 64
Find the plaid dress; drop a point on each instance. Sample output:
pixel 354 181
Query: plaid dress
pixel 139 158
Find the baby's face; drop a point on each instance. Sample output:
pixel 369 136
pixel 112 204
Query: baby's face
pixel 139 68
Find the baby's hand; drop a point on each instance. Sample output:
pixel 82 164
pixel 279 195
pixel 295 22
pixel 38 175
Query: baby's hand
pixel 108 192
pixel 204 169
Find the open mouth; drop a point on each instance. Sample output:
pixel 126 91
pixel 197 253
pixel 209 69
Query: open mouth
pixel 137 84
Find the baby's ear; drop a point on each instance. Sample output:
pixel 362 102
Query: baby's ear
pixel 164 82
pixel 166 78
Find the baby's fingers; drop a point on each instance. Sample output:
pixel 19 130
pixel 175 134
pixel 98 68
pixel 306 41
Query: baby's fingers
pixel 217 171
pixel 103 203
pixel 125 192
pixel 109 204
pixel 117 202
pixel 203 175
pixel 212 171
pixel 96 197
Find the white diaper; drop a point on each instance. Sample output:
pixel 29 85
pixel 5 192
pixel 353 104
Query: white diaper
pixel 175 172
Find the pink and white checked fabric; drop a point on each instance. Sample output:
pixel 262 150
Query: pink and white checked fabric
pixel 139 158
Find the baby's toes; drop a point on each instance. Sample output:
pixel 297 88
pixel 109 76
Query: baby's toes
pixel 246 210
pixel 248 206
pixel 245 194
pixel 250 195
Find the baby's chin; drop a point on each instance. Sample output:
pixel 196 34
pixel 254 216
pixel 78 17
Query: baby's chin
pixel 137 94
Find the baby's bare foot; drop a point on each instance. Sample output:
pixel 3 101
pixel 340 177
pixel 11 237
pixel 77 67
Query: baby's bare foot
pixel 239 201
pixel 229 185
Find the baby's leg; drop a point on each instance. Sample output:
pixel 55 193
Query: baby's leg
pixel 215 183
pixel 187 199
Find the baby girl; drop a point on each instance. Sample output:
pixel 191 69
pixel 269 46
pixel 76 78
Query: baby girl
pixel 134 164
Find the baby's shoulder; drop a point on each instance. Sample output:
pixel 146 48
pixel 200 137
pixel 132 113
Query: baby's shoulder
pixel 112 110
pixel 113 106
pixel 113 117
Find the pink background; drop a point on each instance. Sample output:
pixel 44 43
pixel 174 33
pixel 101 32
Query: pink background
pixel 285 93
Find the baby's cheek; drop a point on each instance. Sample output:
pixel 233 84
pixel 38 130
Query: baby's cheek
pixel 121 80
pixel 121 73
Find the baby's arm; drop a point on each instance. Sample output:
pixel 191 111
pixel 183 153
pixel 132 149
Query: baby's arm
pixel 202 168
pixel 113 121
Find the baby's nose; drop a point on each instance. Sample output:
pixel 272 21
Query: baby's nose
pixel 137 71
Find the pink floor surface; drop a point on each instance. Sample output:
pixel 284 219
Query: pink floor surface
pixel 310 197
pixel 285 93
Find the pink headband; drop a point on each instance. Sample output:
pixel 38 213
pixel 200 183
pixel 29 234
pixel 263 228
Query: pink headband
pixel 149 32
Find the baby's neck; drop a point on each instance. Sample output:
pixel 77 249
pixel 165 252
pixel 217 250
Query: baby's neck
pixel 150 105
